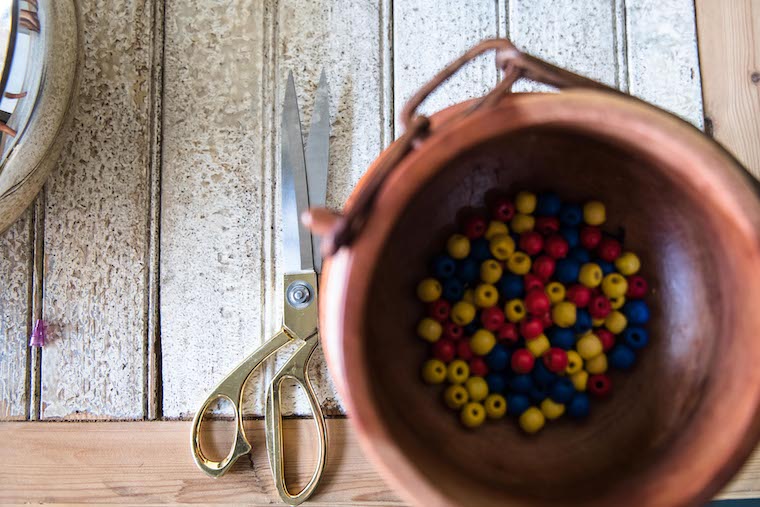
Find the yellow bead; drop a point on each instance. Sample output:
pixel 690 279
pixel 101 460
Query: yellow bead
pixel 458 246
pixel 532 420
pixel 473 414
pixel 429 329
pixel 555 291
pixel 486 295
pixel 429 290
pixel 434 371
pixel 538 345
pixel 614 285
pixel 515 310
pixel 458 371
pixel 482 341
pixel 597 365
pixel 490 271
pixel 495 228
pixel 525 202
pixel 551 409
pixel 594 213
pixel 590 275
pixel 617 303
pixel 574 362
pixel 579 380
pixel 502 246
pixel 519 263
pixel 589 346
pixel 563 314
pixel 628 263
pixel 522 223
pixel 615 322
pixel 597 322
pixel 477 388
pixel 496 406
pixel 455 396
pixel 462 313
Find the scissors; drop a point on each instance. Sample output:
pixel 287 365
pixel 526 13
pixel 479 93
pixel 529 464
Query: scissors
pixel 303 184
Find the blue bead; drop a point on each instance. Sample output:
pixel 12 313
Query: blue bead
pixel 559 337
pixel 621 357
pixel 498 358
pixel 511 286
pixel 468 270
pixel 582 321
pixel 580 254
pixel 636 337
pixel 443 266
pixel 538 395
pixel 607 267
pixel 521 383
pixel 542 376
pixel 548 204
pixel 562 391
pixel 571 235
pixel 453 290
pixel 473 326
pixel 570 214
pixel 480 250
pixel 567 270
pixel 517 403
pixel 578 407
pixel 636 311
pixel 497 382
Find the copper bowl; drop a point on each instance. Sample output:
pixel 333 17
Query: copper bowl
pixel 679 425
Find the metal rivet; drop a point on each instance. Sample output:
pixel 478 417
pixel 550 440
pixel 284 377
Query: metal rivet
pixel 299 294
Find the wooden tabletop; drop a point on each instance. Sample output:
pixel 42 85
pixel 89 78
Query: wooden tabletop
pixel 152 253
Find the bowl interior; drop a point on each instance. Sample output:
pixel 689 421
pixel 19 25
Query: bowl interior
pixel 681 246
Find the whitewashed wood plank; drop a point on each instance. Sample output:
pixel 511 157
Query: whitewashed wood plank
pixel 15 280
pixel 96 225
pixel 663 59
pixel 428 35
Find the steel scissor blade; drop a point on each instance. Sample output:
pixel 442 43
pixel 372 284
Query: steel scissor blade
pixel 318 156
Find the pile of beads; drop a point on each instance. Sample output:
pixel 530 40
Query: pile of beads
pixel 528 308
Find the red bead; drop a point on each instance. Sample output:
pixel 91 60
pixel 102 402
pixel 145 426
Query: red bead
pixel 637 287
pixel 590 237
pixel 609 249
pixel 444 350
pixel 599 307
pixel 556 246
pixel 531 242
pixel 546 319
pixel 537 302
pixel 555 359
pixel 531 327
pixel 606 337
pixel 543 267
pixel 475 226
pixel 579 295
pixel 532 282
pixel 452 331
pixel 508 333
pixel 547 225
pixel 503 209
pixel 439 310
pixel 599 385
pixel 522 361
pixel 478 367
pixel 463 350
pixel 492 318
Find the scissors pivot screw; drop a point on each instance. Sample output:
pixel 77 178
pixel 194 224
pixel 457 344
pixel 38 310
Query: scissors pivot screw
pixel 299 294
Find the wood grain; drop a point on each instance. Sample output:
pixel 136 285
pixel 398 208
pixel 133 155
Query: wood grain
pixel 729 52
pixel 96 225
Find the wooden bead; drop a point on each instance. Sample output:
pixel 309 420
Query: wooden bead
pixel 636 311
pixel 622 357
pixel 480 249
pixel 628 263
pixel 589 346
pixel 532 282
pixel 508 333
pixel 573 237
pixel 475 226
pixel 580 254
pixel 498 359
pixel 531 242
pixel 468 296
pixel 538 394
pixel 429 290
pixel 464 351
pixel 503 209
pixel 468 270
pixel 532 420
pixel 609 249
pixel 590 237
pixel 542 376
pixel 522 223
pixel 490 271
pixel 547 225
pixel 546 319
pixel 562 390
pixel 617 303
pixel 439 310
pixel 574 362
pixel 443 266
pixel 525 202
pixel 590 275
pixel 537 302
pixel 551 409
pixel 444 350
pixel 496 228
pixel 502 246
pixel 555 359
pixel 521 384
pixel 579 295
pixel 452 331
pixel 597 365
pixel 522 361
pixel 455 396
pixel 548 204
pixel 514 309
pixel 579 380
pixel 556 247
pixel 555 291
pixel 564 314
pixel 433 371
pixel 486 295
pixel 477 388
pixel 429 329
pixel 517 403
pixel 511 286
pixel 567 270
pixel 615 322
pixel 495 405
pixel 492 318
pixel 562 338
pixel 582 321
pixel 637 287
pixel 570 214
pixel 462 313
pixel 594 213
pixel 473 326
pixel 519 263
pixel 458 246
pixel 457 372
pixel 599 307
pixel 478 367
pixel 599 385
pixel 579 407
pixel 482 342
pixel 607 267
pixel 453 290
pixel 538 345
pixel 497 382
pixel 636 337
pixel 531 327
pixel 543 267
pixel 607 338
pixel 472 415
pixel 614 285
